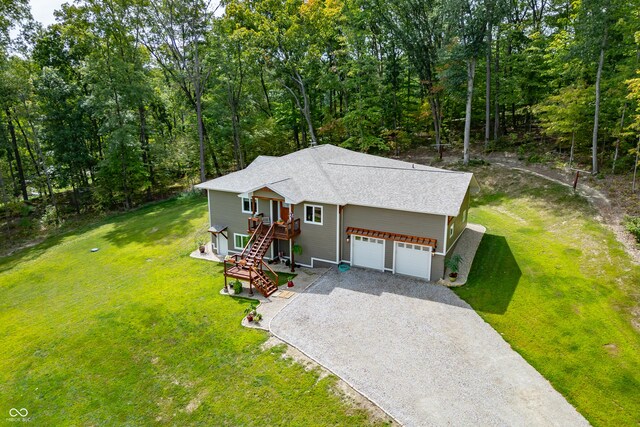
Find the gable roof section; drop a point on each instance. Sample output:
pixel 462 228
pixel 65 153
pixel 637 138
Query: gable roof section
pixel 333 175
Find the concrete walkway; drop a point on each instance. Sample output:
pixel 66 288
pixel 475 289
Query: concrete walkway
pixel 466 247
pixel 419 352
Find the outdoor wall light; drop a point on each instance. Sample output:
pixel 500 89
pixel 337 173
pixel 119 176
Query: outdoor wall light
pixel 348 238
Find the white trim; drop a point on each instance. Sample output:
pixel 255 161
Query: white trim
pixel 455 241
pixel 393 262
pixel 209 213
pixel 242 199
pixel 313 216
pixel 234 240
pixel 338 234
pixel 313 259
pixel 446 226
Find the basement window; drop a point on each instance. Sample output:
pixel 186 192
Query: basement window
pixel 240 240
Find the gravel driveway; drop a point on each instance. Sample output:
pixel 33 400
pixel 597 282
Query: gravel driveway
pixel 419 352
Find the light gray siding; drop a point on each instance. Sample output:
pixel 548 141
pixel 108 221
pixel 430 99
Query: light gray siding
pixel 458 224
pixel 415 224
pixel 265 192
pixel 317 241
pixel 226 209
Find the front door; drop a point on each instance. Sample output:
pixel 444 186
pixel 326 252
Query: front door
pixel 222 245
pixel 284 211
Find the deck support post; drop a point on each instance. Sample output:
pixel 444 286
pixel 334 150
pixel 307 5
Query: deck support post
pixel 226 289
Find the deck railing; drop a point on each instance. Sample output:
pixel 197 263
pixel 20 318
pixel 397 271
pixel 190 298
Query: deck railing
pixel 281 230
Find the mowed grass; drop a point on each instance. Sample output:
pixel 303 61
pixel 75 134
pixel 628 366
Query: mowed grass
pixel 561 290
pixel 137 334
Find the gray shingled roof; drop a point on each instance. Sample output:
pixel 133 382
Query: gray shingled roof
pixel 329 174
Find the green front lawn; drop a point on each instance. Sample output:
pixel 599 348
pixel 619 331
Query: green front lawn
pixel 137 333
pixel 561 290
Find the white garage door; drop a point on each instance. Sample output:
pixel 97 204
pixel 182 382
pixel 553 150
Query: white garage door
pixel 413 260
pixel 367 252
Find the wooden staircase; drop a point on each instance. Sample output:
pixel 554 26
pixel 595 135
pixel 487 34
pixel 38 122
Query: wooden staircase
pixel 249 264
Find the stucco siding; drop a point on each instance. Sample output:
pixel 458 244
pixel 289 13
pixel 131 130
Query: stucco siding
pixel 317 241
pixel 415 224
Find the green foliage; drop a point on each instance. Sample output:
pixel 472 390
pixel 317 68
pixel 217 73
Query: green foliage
pixel 237 287
pixel 297 249
pixel 453 263
pixel 632 224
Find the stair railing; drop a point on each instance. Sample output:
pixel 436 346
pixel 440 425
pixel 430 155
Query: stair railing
pixel 252 238
pixel 270 269
pixel 267 235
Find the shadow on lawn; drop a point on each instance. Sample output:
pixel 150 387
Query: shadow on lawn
pixel 172 218
pixel 493 278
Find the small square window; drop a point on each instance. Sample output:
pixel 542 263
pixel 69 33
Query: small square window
pixel 358 238
pixel 248 205
pixel 451 229
pixel 313 214
pixel 464 215
pixel 240 240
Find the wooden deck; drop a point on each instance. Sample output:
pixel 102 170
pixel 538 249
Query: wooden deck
pixel 281 230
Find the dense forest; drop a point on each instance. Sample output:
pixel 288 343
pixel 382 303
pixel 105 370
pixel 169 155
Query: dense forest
pixel 121 100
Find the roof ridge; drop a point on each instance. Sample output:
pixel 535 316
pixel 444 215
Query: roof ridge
pixel 431 168
pixel 326 176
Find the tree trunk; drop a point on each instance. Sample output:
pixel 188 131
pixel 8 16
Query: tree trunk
pixel 487 96
pixel 26 142
pixel 144 144
pixel 471 71
pixel 16 154
pixel 596 117
pixel 306 111
pixel 496 100
pixel 573 140
pixel 235 124
pixel 635 166
pixel 198 100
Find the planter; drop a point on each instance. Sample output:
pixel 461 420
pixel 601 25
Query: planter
pixel 290 284
pixel 202 249
pixel 453 276
pixel 250 317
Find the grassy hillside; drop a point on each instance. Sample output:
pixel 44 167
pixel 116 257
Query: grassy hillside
pixel 561 290
pixel 138 334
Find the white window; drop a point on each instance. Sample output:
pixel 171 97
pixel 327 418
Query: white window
pixel 240 240
pixel 313 214
pixel 451 229
pixel 248 205
pixel 464 215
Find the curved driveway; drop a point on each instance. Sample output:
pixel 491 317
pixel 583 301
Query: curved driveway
pixel 419 352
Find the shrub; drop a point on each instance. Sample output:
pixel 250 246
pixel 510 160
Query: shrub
pixel 632 223
pixel 237 287
pixel 453 263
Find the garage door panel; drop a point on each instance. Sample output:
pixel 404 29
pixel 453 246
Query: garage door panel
pixel 368 252
pixel 413 260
